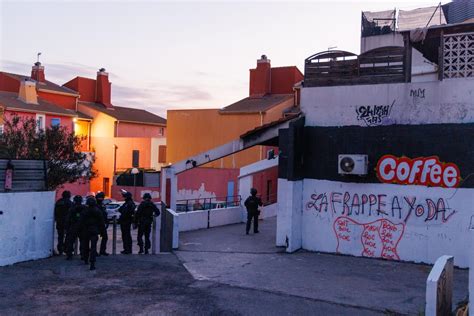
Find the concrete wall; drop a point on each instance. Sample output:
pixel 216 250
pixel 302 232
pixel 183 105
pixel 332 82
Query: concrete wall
pixel 26 226
pixel 218 217
pixel 388 221
pixel 372 42
pixel 269 211
pixel 447 101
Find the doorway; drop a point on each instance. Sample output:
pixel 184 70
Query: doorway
pixel 106 187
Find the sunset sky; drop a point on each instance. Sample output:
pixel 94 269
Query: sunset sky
pixel 169 55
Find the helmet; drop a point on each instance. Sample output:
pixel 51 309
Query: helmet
pixel 78 199
pixel 127 195
pixel 253 191
pixel 147 196
pixel 91 201
pixel 100 195
pixel 66 194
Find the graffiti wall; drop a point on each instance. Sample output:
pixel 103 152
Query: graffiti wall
pixel 447 101
pixel 395 222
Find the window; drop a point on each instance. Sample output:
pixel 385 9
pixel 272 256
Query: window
pixel 40 122
pixel 55 121
pixel 135 158
pixel 161 154
pixel 161 131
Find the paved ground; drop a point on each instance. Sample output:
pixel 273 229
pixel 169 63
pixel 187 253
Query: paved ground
pixel 227 256
pixel 136 285
pixel 218 271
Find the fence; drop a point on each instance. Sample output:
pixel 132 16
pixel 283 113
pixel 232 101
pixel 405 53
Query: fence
pixel 199 204
pixel 28 175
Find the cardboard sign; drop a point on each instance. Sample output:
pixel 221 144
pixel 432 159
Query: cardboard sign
pixel 429 171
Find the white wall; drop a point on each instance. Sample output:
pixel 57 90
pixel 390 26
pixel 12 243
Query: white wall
pixel 258 166
pixel 269 211
pixel 26 226
pixel 289 214
pixel 218 217
pixel 447 101
pixel 155 144
pixel 226 216
pixel 333 220
pixel 371 42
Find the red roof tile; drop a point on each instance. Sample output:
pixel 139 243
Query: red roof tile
pixel 47 85
pixel 128 114
pixel 10 101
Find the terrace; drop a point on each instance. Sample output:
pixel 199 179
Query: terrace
pixel 447 49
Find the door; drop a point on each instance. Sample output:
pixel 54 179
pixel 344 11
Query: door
pixel 230 193
pixel 106 187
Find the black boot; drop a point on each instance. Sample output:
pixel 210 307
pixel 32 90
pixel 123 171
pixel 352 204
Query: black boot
pixel 146 251
pixel 141 250
pixel 92 266
pixel 104 254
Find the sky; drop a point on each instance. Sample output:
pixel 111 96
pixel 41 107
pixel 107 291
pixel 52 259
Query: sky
pixel 176 55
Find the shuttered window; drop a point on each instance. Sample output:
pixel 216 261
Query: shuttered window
pixel 135 158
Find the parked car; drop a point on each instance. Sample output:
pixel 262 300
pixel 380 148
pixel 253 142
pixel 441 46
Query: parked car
pixel 112 209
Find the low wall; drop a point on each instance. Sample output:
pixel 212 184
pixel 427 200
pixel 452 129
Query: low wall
pixel 26 226
pixel 225 216
pixel 218 217
pixel 269 211
pixel 192 220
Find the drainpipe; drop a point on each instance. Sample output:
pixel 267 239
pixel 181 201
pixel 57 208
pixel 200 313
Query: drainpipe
pixel 115 158
pixel 116 130
pixel 261 124
pixel 89 136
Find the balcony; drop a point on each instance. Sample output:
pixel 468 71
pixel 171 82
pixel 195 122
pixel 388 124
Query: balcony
pixel 336 68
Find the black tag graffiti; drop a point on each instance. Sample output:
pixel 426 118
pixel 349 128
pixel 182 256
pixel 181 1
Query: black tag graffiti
pixel 373 115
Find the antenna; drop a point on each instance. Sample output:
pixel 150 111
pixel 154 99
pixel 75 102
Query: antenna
pixel 331 47
pixel 38 57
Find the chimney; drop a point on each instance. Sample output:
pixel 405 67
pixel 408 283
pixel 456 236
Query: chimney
pixel 37 72
pixel 103 87
pixel 260 78
pixel 27 92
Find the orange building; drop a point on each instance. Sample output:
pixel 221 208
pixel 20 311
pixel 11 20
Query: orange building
pixel 273 93
pixel 49 104
pixel 121 137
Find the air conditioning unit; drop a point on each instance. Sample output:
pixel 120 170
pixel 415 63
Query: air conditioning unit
pixel 353 164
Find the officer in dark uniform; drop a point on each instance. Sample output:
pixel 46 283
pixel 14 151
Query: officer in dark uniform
pixel 91 225
pixel 61 209
pixel 127 211
pixel 100 196
pixel 144 220
pixel 72 225
pixel 252 203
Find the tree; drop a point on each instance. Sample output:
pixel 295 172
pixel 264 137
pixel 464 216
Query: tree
pixel 21 139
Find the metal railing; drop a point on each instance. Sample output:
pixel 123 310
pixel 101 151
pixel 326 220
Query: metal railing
pixel 198 204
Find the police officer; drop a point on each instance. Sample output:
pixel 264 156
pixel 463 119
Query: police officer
pixel 127 211
pixel 61 209
pixel 91 225
pixel 252 203
pixel 144 220
pixel 100 196
pixel 72 225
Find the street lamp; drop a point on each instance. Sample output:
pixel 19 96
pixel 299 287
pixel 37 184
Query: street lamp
pixel 135 171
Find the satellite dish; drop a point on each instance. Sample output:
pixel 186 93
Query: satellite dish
pixel 347 164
